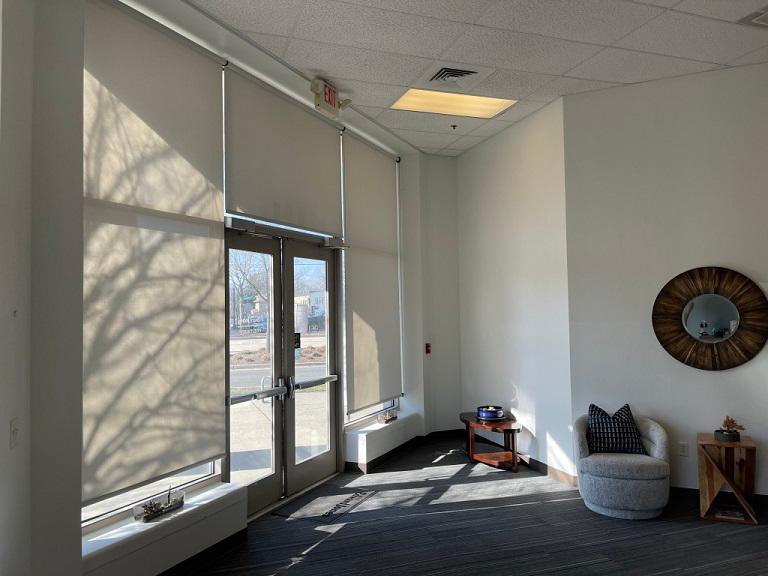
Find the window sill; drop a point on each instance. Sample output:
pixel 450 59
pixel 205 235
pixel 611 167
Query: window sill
pixel 119 540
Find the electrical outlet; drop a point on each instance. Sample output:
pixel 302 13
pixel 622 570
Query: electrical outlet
pixel 683 449
pixel 15 433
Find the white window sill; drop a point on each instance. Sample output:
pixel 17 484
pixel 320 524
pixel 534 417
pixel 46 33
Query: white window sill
pixel 127 536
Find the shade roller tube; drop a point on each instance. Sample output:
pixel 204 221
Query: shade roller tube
pixel 153 287
pixel 372 283
pixel 283 160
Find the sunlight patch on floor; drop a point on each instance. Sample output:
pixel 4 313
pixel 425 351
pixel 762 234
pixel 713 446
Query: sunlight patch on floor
pixel 500 488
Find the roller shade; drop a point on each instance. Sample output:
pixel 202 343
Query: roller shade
pixel 372 280
pixel 153 287
pixel 283 162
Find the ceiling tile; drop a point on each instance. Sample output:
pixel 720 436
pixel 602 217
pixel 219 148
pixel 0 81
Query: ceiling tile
pixel 369 93
pixel 450 152
pixel 332 61
pixel 490 128
pixel 511 84
pixel 427 139
pixel 561 86
pixel 431 150
pixel 517 51
pixel 520 111
pixel 594 21
pixel 350 25
pixel 424 122
pixel 732 10
pixel 458 10
pixel 265 16
pixel 616 65
pixel 662 3
pixel 370 111
pixel 269 42
pixel 697 38
pixel 466 142
pixel 756 57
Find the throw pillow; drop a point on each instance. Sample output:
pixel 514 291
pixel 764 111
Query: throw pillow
pixel 617 433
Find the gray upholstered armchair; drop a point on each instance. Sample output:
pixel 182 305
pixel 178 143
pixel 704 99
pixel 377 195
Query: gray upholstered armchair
pixel 633 486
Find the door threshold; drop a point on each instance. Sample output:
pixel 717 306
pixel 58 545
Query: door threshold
pixel 283 501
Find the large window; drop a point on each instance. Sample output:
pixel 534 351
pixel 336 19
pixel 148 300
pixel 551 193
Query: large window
pixel 154 292
pixel 124 502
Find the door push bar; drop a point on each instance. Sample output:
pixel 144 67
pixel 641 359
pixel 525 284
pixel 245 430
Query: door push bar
pixel 293 385
pixel 280 391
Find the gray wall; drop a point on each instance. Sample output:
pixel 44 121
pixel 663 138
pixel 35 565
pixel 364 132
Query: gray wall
pixel 15 199
pixel 663 177
pixel 440 292
pixel 57 280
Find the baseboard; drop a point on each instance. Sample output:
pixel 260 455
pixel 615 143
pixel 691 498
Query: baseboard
pixel 532 463
pixel 551 472
pixel 367 467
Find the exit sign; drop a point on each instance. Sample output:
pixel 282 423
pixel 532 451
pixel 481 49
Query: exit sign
pixel 326 97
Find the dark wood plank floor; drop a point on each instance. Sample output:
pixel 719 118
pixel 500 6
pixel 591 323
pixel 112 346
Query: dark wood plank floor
pixel 435 513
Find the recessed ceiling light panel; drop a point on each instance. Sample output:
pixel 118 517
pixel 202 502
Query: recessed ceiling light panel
pixel 451 103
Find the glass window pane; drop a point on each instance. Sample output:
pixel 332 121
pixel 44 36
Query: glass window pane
pixel 251 448
pixel 251 364
pixel 131 497
pixel 312 410
pixel 251 322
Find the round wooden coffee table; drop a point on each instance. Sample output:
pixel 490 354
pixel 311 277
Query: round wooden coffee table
pixel 510 427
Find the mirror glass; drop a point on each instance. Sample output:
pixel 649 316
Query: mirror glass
pixel 710 318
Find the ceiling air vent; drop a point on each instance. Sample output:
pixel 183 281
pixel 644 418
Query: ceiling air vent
pixel 757 18
pixel 452 75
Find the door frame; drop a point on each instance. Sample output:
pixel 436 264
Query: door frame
pixel 242 234
pixel 308 472
pixel 268 490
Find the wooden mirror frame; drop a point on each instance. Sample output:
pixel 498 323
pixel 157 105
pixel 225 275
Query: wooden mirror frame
pixel 745 343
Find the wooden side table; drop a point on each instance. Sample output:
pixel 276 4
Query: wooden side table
pixel 731 463
pixel 509 427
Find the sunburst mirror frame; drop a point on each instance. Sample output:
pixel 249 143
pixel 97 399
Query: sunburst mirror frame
pixel 745 343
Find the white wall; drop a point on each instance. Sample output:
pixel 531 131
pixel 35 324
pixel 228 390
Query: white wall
pixel 15 198
pixel 513 281
pixel 663 177
pixel 440 275
pixel 57 278
pixel 411 265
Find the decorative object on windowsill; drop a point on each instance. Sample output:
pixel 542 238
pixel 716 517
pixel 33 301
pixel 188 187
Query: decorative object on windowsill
pixel 387 416
pixel 711 318
pixel 729 432
pixel 159 505
pixel 490 413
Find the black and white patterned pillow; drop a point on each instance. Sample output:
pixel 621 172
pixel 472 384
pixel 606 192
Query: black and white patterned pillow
pixel 617 433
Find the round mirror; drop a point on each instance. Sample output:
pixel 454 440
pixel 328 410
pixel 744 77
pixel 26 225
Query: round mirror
pixel 710 318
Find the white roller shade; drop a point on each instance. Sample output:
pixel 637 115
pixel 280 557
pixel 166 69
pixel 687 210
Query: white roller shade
pixel 282 160
pixel 372 282
pixel 153 290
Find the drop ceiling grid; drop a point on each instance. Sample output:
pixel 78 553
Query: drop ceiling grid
pixel 375 49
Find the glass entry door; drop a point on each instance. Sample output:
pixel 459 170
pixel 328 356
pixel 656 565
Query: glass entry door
pixel 281 376
pixel 311 367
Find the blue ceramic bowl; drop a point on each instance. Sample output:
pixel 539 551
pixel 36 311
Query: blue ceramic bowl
pixel 490 412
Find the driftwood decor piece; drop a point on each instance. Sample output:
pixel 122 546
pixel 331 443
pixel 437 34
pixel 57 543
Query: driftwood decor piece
pixel 734 336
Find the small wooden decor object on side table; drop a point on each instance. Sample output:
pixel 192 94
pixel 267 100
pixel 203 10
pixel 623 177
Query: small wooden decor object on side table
pixel 731 463
pixel 508 426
